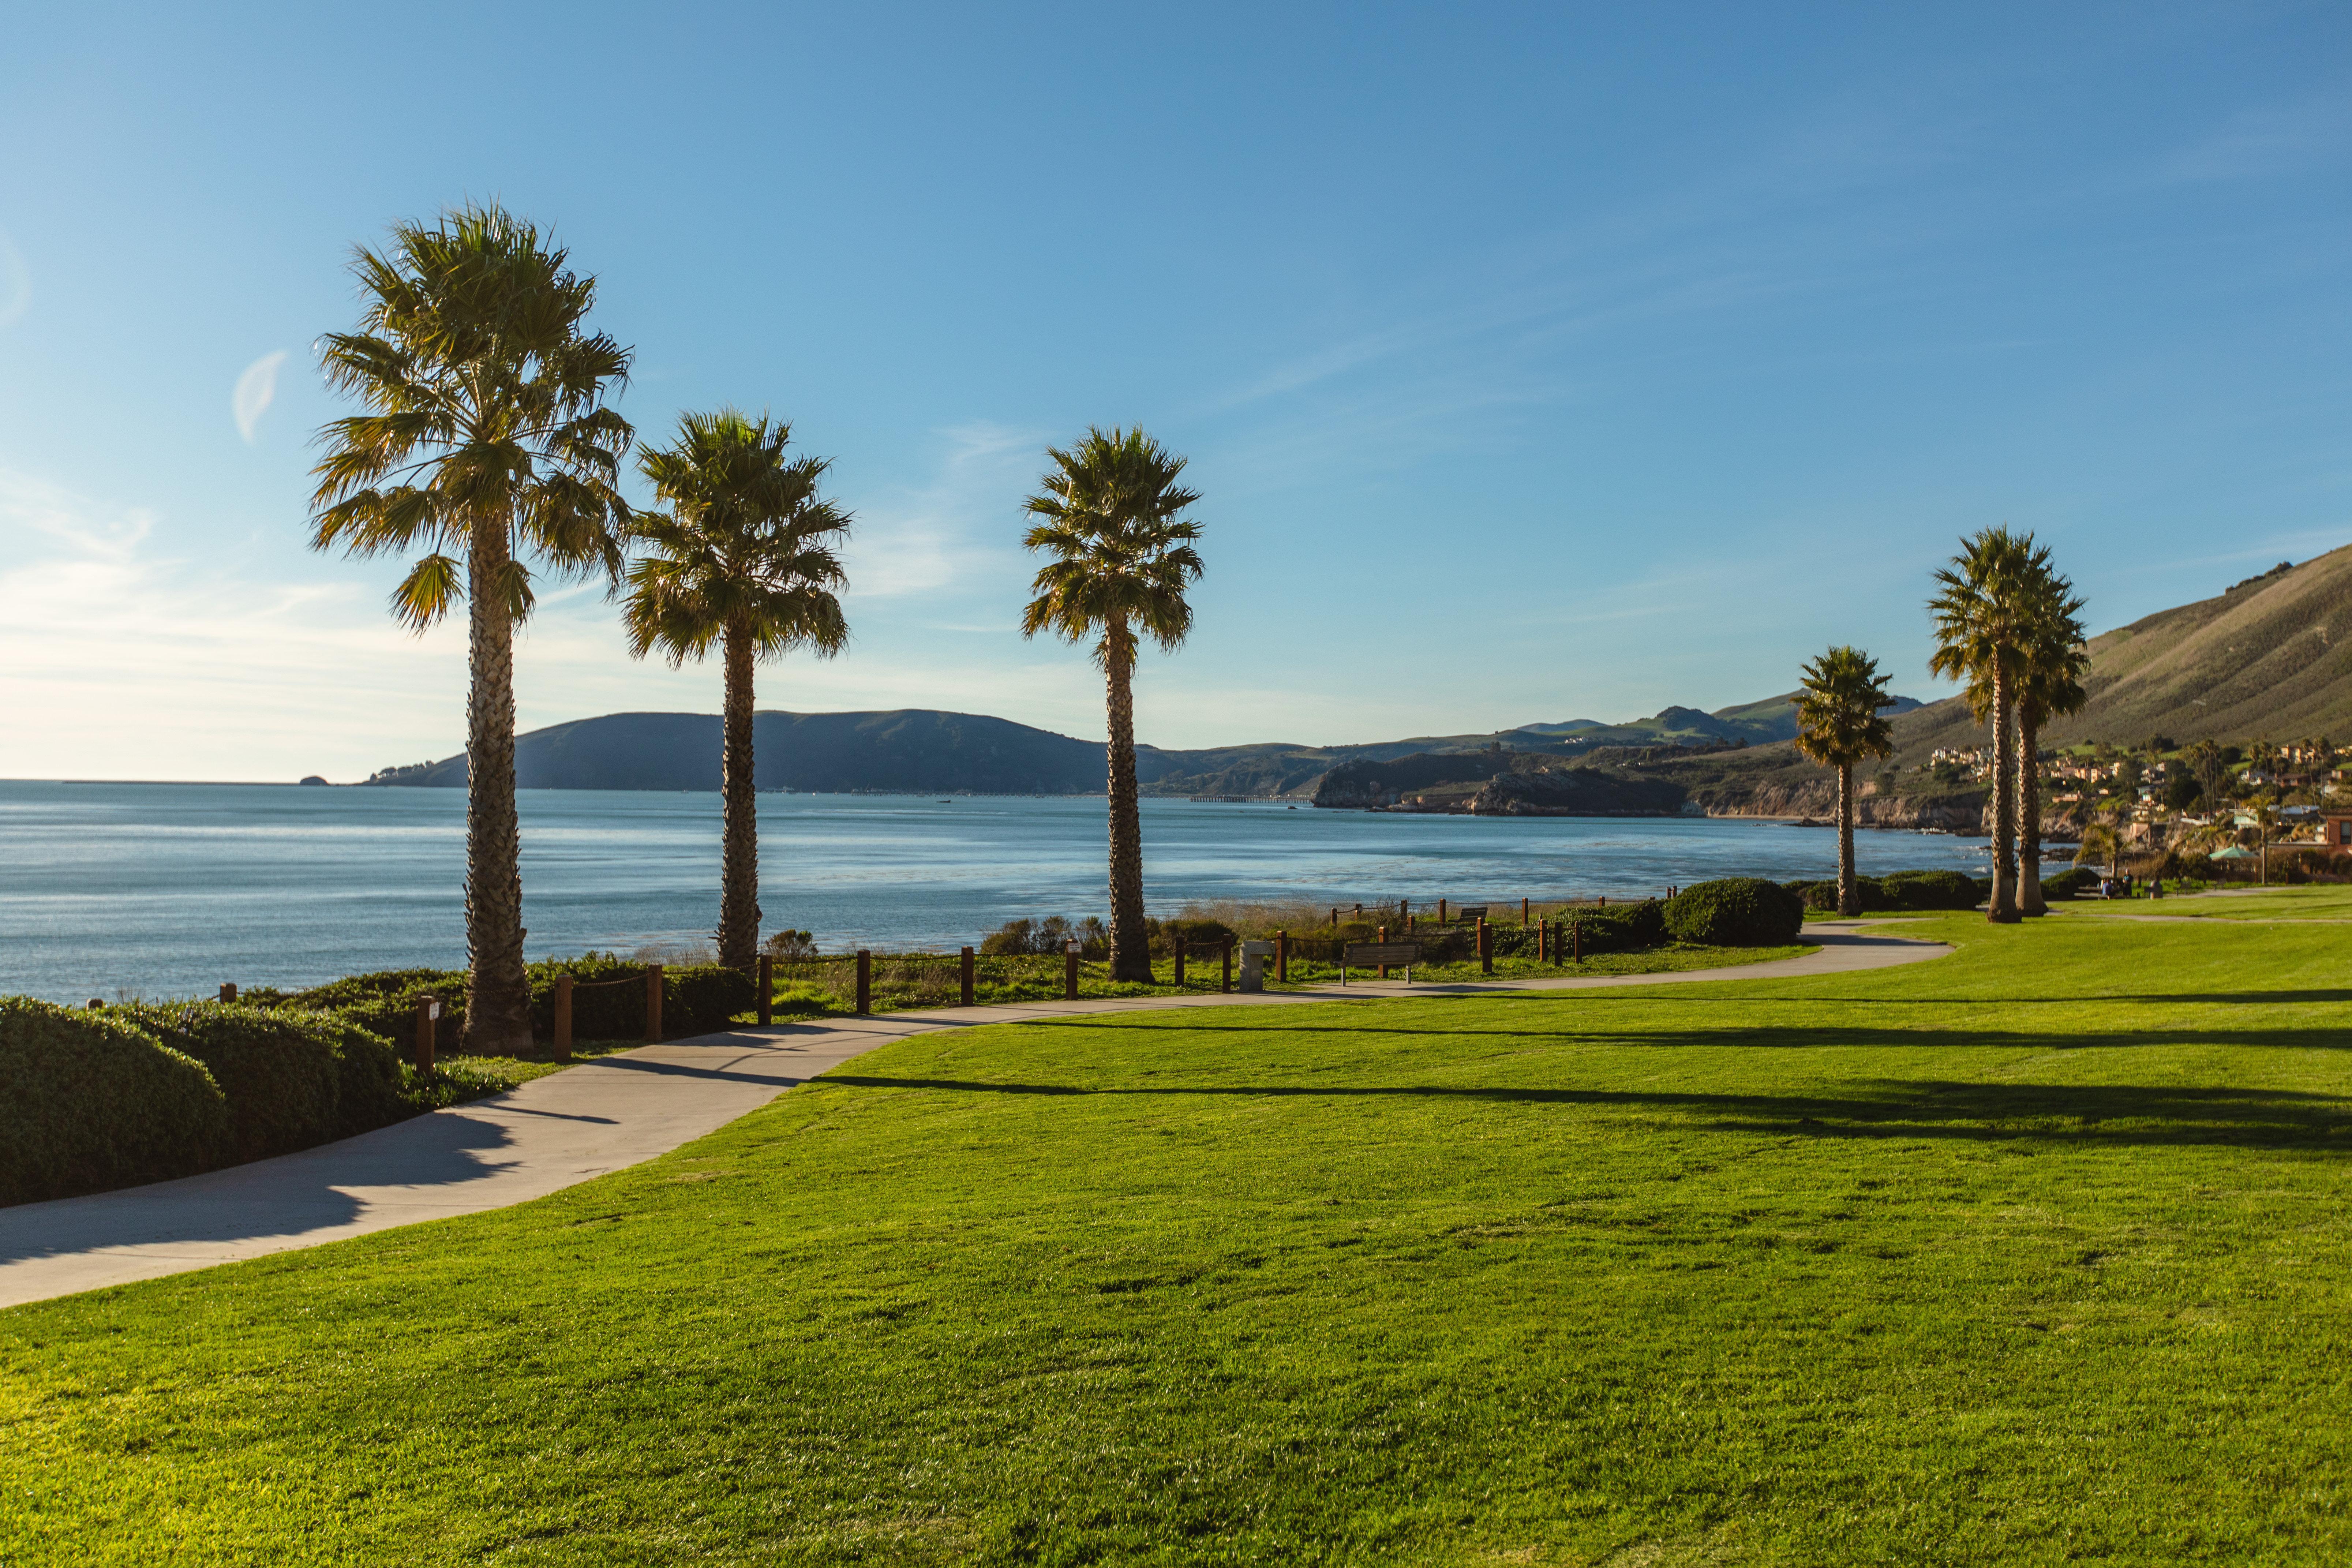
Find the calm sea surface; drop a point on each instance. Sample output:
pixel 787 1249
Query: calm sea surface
pixel 169 890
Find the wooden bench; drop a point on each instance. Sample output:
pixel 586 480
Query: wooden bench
pixel 1378 955
pixel 1471 914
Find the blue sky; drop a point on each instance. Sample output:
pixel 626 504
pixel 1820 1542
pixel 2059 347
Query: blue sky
pixel 1535 362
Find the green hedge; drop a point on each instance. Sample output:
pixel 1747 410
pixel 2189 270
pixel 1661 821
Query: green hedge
pixel 293 1079
pixel 1822 896
pixel 1932 890
pixel 696 999
pixel 1736 912
pixel 2077 882
pixel 88 1102
pixel 1619 928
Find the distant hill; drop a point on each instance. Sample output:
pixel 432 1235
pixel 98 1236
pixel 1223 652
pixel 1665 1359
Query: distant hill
pixel 2270 657
pixel 922 751
pixel 2261 660
pixel 914 751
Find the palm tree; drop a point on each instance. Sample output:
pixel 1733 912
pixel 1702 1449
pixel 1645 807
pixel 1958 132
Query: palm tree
pixel 2050 685
pixel 487 435
pixel 2205 760
pixel 745 556
pixel 1119 559
pixel 2263 809
pixel 2110 832
pixel 1982 619
pixel 1839 724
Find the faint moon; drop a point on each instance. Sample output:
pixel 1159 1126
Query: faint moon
pixel 255 389
pixel 16 282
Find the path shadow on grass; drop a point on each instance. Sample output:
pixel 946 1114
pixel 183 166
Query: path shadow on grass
pixel 1886 1107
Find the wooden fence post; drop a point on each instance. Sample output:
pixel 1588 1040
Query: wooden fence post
pixel 1523 912
pixel 967 977
pixel 228 990
pixel 1070 970
pixel 767 989
pixel 1282 956
pixel 653 1003
pixel 865 982
pixel 1441 912
pixel 1485 948
pixel 1382 936
pixel 427 1006
pixel 563 1017
pixel 1225 981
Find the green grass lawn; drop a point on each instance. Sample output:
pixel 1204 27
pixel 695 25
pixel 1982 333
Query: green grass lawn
pixel 2039 1253
pixel 2330 900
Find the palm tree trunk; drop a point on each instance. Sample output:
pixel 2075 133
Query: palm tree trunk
pixel 498 990
pixel 1131 950
pixel 738 874
pixel 2002 906
pixel 1849 896
pixel 2029 819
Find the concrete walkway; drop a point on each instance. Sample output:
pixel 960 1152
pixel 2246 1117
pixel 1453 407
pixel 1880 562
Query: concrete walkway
pixel 598 1116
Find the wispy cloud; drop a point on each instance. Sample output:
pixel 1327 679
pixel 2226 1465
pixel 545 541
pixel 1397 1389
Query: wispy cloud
pixel 958 531
pixel 257 388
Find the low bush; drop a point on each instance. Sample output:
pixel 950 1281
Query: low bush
pixel 791 945
pixel 1198 932
pixel 608 1000
pixel 1822 897
pixel 1939 890
pixel 293 1079
pixel 1736 912
pixel 1620 928
pixel 702 999
pixel 1016 939
pixel 90 1103
pixel 2077 883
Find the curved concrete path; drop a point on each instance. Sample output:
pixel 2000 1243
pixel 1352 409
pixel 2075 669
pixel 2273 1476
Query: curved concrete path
pixel 600 1115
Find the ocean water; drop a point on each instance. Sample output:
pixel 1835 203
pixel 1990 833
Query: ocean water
pixel 107 889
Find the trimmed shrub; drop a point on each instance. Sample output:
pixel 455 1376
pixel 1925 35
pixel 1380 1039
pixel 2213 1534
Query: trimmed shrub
pixel 1736 912
pixel 284 1071
pixel 1932 890
pixel 700 999
pixel 1822 897
pixel 2078 883
pixel 608 1001
pixel 88 1102
pixel 1621 927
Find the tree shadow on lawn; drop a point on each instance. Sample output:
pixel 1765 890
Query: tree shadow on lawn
pixel 1882 1108
pixel 1736 1035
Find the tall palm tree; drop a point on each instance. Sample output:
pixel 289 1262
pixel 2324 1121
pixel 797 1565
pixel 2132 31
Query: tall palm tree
pixel 487 435
pixel 1839 724
pixel 1120 557
pixel 2053 664
pixel 1982 618
pixel 745 556
pixel 2263 809
pixel 2205 760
